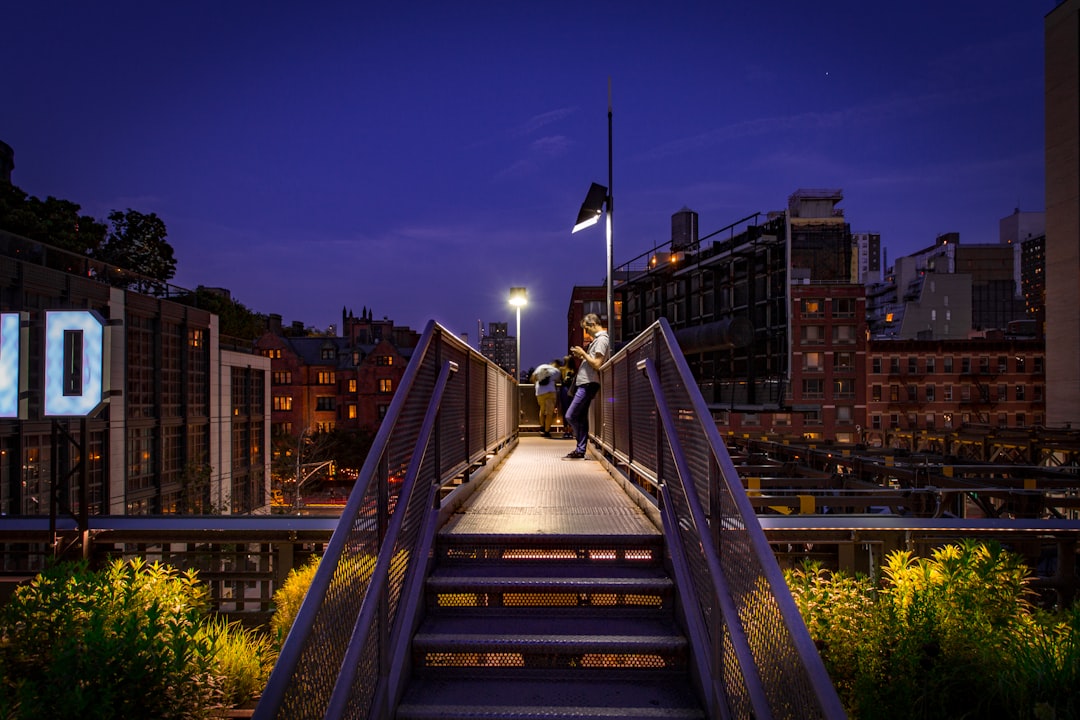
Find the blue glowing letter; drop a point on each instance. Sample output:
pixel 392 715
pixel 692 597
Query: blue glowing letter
pixel 74 362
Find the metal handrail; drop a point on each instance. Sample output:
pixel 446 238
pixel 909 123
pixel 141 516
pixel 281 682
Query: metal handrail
pixel 753 656
pixel 452 409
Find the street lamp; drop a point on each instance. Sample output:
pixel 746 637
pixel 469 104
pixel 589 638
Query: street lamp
pixel 597 199
pixel 518 298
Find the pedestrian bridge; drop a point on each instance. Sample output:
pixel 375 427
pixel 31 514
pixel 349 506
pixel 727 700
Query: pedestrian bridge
pixel 476 574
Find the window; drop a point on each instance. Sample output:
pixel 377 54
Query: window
pixel 1037 393
pixel 894 420
pixel 813 334
pixel 324 403
pixel 843 361
pixel 813 361
pixel 382 411
pixel 843 388
pixel 782 419
pixel 965 366
pixel 1003 364
pixel 912 366
pixel 325 377
pixel 875 366
pixel 894 366
pixel 282 402
pixel 843 307
pixel 328 353
pixel 875 422
pixel 1021 420
pixel 875 393
pixel 844 334
pixel 812 417
pixel 1021 364
pixel 1038 366
pixel 984 364
pixel 931 392
pixel 813 388
pixel 352 411
pixel 813 307
pixel 947 393
pixel 930 422
pixel 912 393
pixel 946 364
pixel 386 385
pixel 1003 392
pixel 272 353
pixel 1020 391
pixel 352 385
pixel 931 365
pixel 384 360
pixel 281 377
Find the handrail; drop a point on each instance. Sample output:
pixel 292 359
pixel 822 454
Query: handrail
pixel 753 655
pixel 438 427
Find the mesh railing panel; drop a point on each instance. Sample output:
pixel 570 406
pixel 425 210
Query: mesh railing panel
pixel 312 661
pixel 761 649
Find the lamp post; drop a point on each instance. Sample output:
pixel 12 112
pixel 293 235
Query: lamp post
pixel 518 298
pixel 597 199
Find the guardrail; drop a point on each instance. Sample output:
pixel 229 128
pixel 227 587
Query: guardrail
pixel 345 655
pixel 753 656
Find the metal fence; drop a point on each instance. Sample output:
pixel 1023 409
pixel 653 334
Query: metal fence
pixel 344 655
pixel 753 655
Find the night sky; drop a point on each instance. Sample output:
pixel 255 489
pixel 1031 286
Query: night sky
pixel 419 159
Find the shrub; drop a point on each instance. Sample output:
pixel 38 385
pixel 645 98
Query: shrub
pixel 132 640
pixel 288 597
pixel 953 635
pixel 118 643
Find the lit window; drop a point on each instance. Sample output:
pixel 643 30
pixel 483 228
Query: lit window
pixel 386 385
pixel 352 385
pixel 352 411
pixel 282 402
pixel 325 378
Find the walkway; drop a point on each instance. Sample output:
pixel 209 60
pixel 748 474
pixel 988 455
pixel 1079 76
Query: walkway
pixel 536 491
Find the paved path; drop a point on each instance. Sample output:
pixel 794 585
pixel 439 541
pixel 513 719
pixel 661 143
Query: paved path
pixel 535 490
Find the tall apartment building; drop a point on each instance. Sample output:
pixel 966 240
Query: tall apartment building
pixel 1062 112
pixel 791 276
pixel 177 422
pixel 499 346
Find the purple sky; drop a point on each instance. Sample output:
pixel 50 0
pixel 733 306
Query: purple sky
pixel 419 159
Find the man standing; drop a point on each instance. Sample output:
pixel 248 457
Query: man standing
pixel 546 379
pixel 588 381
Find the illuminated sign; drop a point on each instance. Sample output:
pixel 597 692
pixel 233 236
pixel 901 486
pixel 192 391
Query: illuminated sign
pixel 12 366
pixel 74 368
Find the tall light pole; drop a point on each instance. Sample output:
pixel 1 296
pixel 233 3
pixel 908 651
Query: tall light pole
pixel 597 199
pixel 518 298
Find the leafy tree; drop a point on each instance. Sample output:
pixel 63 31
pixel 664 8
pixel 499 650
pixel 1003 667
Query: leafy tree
pixel 53 221
pixel 137 242
pixel 236 320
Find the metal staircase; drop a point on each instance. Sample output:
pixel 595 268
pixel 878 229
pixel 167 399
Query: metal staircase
pixel 543 626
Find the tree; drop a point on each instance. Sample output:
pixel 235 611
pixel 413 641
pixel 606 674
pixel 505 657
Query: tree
pixel 236 320
pixel 53 221
pixel 137 242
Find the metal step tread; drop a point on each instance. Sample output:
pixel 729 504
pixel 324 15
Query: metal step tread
pixel 662 695
pixel 540 583
pixel 510 569
pixel 548 622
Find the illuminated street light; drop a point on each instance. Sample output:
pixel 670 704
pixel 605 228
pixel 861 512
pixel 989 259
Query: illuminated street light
pixel 599 198
pixel 518 298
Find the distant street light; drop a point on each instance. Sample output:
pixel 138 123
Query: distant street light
pixel 598 198
pixel 518 298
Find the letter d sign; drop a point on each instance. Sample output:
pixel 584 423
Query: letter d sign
pixel 74 362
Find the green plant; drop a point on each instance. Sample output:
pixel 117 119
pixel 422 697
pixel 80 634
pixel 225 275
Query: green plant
pixel 241 659
pixel 288 598
pixel 118 643
pixel 952 635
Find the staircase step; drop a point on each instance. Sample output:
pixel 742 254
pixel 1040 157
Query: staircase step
pixel 568 549
pixel 549 640
pixel 509 586
pixel 529 697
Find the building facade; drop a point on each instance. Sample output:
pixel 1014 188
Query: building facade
pixel 181 427
pixel 1062 113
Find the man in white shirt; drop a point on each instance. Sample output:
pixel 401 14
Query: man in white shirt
pixel 588 381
